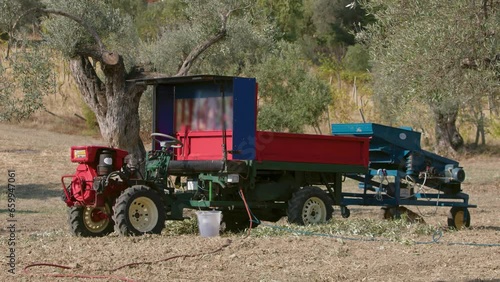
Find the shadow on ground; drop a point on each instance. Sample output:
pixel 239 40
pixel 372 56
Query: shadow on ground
pixel 38 191
pixel 18 211
pixel 481 227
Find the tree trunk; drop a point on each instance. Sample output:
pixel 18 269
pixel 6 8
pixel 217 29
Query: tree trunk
pixel 114 102
pixel 448 139
pixel 480 129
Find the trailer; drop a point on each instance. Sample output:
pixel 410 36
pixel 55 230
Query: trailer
pixel 208 154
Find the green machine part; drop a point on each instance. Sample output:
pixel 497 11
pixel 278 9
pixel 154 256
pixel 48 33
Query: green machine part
pixel 267 187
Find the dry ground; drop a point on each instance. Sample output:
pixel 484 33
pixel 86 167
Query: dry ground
pixel 40 158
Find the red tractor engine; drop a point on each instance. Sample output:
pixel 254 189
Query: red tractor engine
pixel 94 187
pixel 96 163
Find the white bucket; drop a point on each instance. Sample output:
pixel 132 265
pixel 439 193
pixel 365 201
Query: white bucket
pixel 209 223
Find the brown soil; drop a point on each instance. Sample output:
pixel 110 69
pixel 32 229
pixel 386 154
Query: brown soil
pixel 40 158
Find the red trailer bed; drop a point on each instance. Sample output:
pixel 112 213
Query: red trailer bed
pixel 278 147
pixel 310 148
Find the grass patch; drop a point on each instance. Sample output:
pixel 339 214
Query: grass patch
pixel 181 227
pixel 51 234
pixel 363 229
pixel 392 230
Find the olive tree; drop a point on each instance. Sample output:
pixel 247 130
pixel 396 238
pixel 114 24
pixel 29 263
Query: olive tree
pixel 432 56
pixel 105 53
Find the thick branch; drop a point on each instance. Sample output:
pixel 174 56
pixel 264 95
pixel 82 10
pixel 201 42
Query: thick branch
pixel 91 87
pixel 198 50
pixel 109 58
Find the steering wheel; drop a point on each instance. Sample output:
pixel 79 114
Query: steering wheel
pixel 174 142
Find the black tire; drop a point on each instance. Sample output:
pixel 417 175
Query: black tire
pixel 385 213
pixel 236 221
pixel 82 221
pixel 139 210
pixel 458 218
pixel 390 213
pixel 310 205
pixel 345 212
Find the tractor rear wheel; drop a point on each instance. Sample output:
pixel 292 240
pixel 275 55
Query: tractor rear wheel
pixel 139 210
pixel 90 221
pixel 310 205
pixel 458 218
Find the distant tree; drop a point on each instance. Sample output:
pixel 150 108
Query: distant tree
pixel 291 96
pixel 357 58
pixel 134 8
pixel 332 27
pixel 336 21
pixel 152 18
pixel 24 81
pixel 433 56
pixel 323 28
pixel 286 15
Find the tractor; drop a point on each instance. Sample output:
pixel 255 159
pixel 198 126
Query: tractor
pixel 207 154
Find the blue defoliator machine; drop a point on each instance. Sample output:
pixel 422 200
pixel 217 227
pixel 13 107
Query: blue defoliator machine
pixel 401 173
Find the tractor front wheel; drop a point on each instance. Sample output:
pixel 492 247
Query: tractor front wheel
pixel 310 205
pixel 90 221
pixel 139 210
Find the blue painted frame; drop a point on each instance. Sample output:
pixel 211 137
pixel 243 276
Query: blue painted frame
pixel 243 90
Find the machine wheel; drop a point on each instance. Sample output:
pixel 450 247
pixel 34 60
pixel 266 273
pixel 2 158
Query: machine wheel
pixel 345 212
pixel 90 221
pixel 235 221
pixel 139 210
pixel 458 218
pixel 310 205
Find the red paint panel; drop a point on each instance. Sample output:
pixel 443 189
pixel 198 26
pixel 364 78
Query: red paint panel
pixel 90 155
pixel 308 148
pixel 276 146
pixel 203 145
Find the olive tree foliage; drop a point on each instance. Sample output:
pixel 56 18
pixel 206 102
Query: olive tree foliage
pixel 332 25
pixel 11 10
pixel 73 39
pixel 24 80
pixel 154 18
pixel 286 15
pixel 357 58
pixel 290 96
pixel 247 37
pixel 432 57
